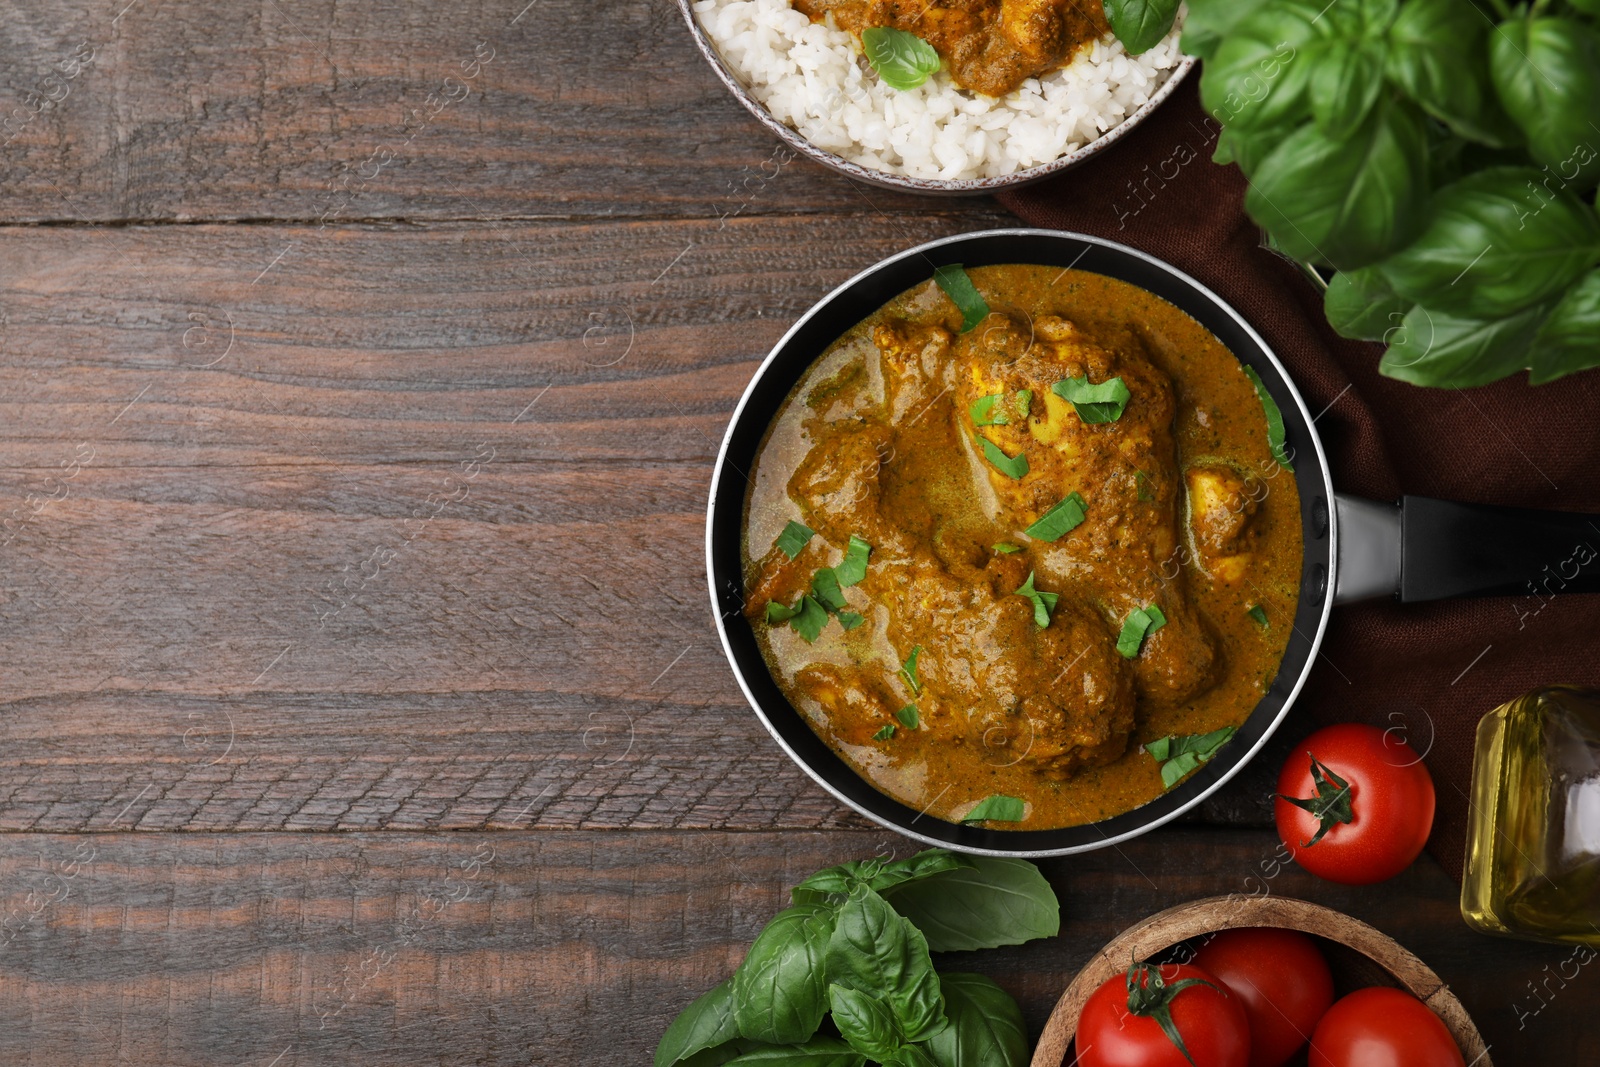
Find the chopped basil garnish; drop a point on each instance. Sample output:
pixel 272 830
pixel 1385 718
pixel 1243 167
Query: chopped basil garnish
pixel 885 732
pixel 1103 402
pixel 909 716
pixel 854 567
pixel 1005 549
pixel 810 620
pixel 997 809
pixel 903 60
pixel 850 620
pixel 1275 430
pixel 825 587
pixel 1011 466
pixel 777 612
pixel 1059 520
pixel 988 411
pixel 795 537
pixel 909 671
pixel 1043 603
pixel 1140 623
pixel 1180 755
pixel 1143 481
pixel 959 288
pixel 1259 614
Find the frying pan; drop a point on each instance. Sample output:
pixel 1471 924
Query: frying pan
pixel 1415 550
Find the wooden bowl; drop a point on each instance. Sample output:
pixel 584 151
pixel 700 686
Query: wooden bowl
pixel 1357 954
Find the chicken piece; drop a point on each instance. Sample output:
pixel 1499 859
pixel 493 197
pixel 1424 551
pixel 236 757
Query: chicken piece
pixel 984 660
pixel 1222 506
pixel 916 365
pixel 1037 29
pixel 1125 555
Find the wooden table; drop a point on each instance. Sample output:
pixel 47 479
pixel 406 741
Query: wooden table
pixel 361 371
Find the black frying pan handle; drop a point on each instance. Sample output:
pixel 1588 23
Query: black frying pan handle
pixel 1428 549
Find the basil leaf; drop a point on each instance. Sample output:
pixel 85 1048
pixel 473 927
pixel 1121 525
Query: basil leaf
pixel 1546 72
pixel 959 288
pixel 704 1024
pixel 992 902
pixel 1103 402
pixel 1258 75
pixel 865 1021
pixel 1345 202
pixel 1210 22
pixel 818 1052
pixel 1569 340
pixel 874 950
pixel 1344 85
pixel 794 538
pixel 1140 623
pixel 910 1056
pixel 810 620
pixel 1011 466
pixel 909 716
pixel 1061 519
pixel 1497 241
pixel 924 864
pixel 854 566
pixel 850 620
pixel 1360 304
pixel 777 612
pixel 1140 24
pixel 1433 45
pixel 1179 756
pixel 1259 614
pixel 885 732
pixel 881 875
pixel 1142 480
pixel 908 670
pixel 778 991
pixel 1005 549
pixel 1043 603
pixel 986 1027
pixel 984 413
pixel 996 808
pixel 1439 349
pixel 1276 436
pixel 903 60
pixel 825 588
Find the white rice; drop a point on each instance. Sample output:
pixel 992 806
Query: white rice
pixel 814 78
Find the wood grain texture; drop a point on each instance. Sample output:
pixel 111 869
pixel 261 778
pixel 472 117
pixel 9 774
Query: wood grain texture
pixel 308 109
pixel 403 532
pixel 554 947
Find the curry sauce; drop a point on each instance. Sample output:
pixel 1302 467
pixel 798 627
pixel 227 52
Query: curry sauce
pixel 989 46
pixel 893 437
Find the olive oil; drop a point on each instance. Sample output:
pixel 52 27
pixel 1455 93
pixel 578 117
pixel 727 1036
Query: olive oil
pixel 1533 835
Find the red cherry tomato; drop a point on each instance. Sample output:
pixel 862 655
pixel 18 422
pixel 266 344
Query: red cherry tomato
pixel 1365 804
pixel 1282 981
pixel 1382 1027
pixel 1210 1022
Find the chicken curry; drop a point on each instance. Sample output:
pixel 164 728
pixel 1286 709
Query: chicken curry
pixel 989 46
pixel 995 568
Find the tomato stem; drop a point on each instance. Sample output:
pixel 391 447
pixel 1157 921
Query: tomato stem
pixel 1150 997
pixel 1331 805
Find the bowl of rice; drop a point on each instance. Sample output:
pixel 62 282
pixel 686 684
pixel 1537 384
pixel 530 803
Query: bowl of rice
pixel 811 85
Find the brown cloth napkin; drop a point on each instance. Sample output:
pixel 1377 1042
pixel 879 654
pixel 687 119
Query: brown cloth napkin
pixel 1433 669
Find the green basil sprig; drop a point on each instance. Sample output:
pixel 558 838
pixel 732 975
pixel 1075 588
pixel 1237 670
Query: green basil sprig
pixel 1444 165
pixel 1140 24
pixel 856 945
pixel 903 60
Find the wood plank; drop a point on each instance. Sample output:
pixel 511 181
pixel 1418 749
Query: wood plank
pixel 562 948
pixel 305 109
pixel 415 543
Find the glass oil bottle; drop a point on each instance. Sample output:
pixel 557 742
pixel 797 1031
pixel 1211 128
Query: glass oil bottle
pixel 1533 834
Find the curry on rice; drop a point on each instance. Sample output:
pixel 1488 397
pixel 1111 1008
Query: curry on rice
pixel 997 563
